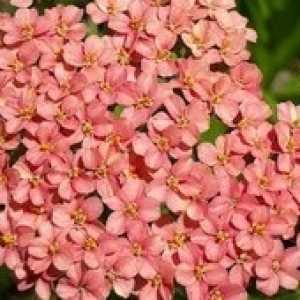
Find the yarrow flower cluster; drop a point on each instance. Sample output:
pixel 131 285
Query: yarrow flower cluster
pixel 106 183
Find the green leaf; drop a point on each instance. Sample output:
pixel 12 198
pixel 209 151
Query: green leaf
pixel 118 111
pixel 282 295
pixel 217 127
pixel 271 101
pixel 290 89
pixel 92 28
pixel 6 281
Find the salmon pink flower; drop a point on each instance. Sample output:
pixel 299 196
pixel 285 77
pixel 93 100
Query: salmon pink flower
pixel 69 177
pixel 197 275
pixel 49 248
pixel 81 283
pixel 257 230
pixel 85 54
pixel 18 62
pixel 130 205
pixel 102 11
pixel 220 155
pixel 278 269
pixel 158 278
pixel 8 179
pixel 203 36
pixel 47 142
pixel 26 26
pixel 263 179
pixel 143 98
pixel 66 83
pixel 106 83
pixel 158 53
pixel 65 22
pixel 9 253
pixel 31 186
pixel 214 236
pixel 21 3
pixel 289 113
pixel 78 212
pixel 184 121
pixel 20 111
pixel 133 24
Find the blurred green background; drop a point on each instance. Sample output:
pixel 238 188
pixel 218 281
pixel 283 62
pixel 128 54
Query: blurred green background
pixel 277 53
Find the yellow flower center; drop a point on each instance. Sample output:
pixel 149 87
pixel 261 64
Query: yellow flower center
pixel 27 32
pixel 137 249
pixel 173 183
pixel 87 128
pixel 90 244
pixel 7 240
pixel 156 281
pixel 200 271
pixel 178 240
pixel 144 102
pixel 258 228
pixel 162 143
pixel 131 210
pixel 79 217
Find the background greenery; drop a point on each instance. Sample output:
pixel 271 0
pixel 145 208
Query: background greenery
pixel 277 53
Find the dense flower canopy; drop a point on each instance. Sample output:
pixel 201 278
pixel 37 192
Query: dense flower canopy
pixel 107 180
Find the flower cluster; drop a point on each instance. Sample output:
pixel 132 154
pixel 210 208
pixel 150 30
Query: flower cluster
pixel 106 182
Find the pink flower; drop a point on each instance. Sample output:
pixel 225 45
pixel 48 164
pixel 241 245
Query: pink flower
pixel 79 212
pixel 229 292
pixel 69 178
pixel 119 275
pixel 102 11
pixel 173 186
pixel 50 247
pixel 7 141
pixel 196 275
pixel 258 138
pixel 159 280
pixel 81 284
pixel 85 54
pixel 8 179
pixel 171 19
pixel 143 246
pixel 187 121
pixel 9 253
pixel 157 52
pixel 263 179
pixel 214 236
pixel 220 155
pixel 106 164
pixel 247 76
pixel 289 113
pixel 217 4
pixel 203 36
pixel 154 153
pixel 143 98
pixel 65 22
pixel 129 206
pixel 256 230
pixel 18 62
pixel 20 111
pixel 106 83
pixel 133 24
pixel 31 185
pixel 21 3
pixel 25 26
pixel 47 143
pixel 278 269
pixel 65 83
